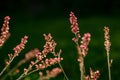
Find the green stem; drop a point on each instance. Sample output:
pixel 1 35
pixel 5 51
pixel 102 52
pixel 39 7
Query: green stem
pixel 108 61
pixel 4 69
pixel 7 65
pixel 13 69
pixel 63 71
pixel 32 71
pixel 23 75
pixel 60 65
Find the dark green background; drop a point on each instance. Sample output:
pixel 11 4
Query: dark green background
pixel 36 17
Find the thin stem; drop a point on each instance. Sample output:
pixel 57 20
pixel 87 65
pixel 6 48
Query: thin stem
pixel 23 75
pixel 32 71
pixel 60 65
pixel 77 40
pixel 80 59
pixel 4 69
pixel 81 63
pixel 108 61
pixel 13 69
pixel 63 71
pixel 7 65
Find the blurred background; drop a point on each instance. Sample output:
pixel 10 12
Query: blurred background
pixel 36 17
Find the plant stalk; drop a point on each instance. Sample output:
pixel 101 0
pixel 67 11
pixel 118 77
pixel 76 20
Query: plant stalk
pixel 108 61
pixel 63 71
pixel 81 63
pixel 7 66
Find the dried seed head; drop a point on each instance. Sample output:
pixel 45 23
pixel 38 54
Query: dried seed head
pixel 107 42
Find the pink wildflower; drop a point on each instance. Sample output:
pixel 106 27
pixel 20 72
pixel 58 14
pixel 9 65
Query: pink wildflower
pixel 50 44
pixel 84 43
pixel 50 74
pixel 74 27
pixel 21 46
pixel 74 24
pixel 31 54
pixel 94 75
pixel 5 31
pixel 54 72
pixel 48 62
pixel 41 61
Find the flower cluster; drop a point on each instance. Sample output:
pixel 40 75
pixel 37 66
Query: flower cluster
pixel 74 24
pixel 15 70
pixel 47 62
pixel 82 48
pixel 42 62
pixel 74 27
pixel 84 43
pixel 94 75
pixel 31 54
pixel 107 45
pixel 17 49
pixel 21 46
pixel 5 31
pixel 50 74
pixel 107 42
pixel 49 45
